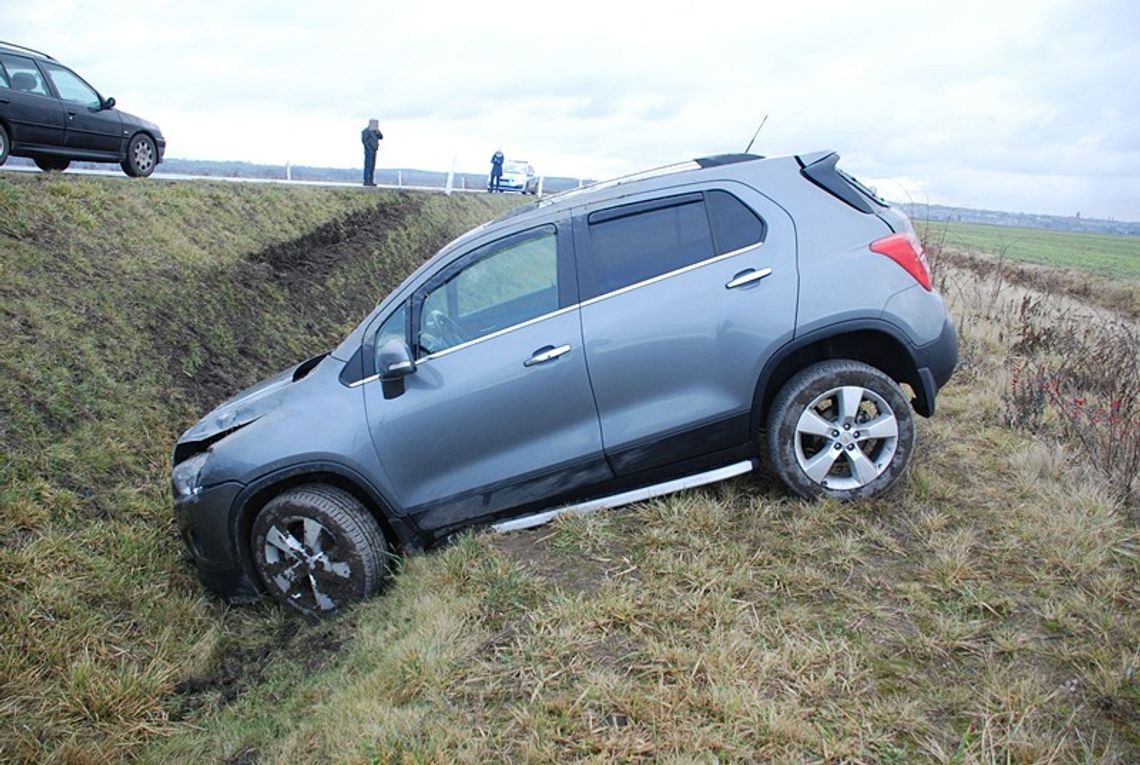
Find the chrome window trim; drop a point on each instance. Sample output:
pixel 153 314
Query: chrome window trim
pixel 368 379
pixel 576 306
pixel 671 274
pixel 498 332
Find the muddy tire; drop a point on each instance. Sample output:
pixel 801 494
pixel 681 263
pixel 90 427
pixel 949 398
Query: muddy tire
pixel 52 164
pixel 318 549
pixel 142 157
pixel 840 429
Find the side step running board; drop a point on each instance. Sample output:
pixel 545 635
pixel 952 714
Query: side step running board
pixel 628 497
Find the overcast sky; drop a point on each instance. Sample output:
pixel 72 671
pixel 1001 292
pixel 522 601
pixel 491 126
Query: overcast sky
pixel 1019 106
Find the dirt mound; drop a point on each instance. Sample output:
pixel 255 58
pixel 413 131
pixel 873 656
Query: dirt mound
pixel 320 284
pixel 311 258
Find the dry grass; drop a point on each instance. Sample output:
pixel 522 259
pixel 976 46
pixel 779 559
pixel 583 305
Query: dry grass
pixel 126 310
pixel 987 611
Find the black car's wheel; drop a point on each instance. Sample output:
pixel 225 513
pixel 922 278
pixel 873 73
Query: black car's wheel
pixel 4 146
pixel 317 549
pixel 52 164
pixel 142 157
pixel 840 429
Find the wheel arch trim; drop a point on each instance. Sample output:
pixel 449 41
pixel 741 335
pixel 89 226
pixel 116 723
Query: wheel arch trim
pixel 260 491
pixel 783 364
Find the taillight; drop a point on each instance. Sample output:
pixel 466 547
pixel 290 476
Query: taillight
pixel 906 250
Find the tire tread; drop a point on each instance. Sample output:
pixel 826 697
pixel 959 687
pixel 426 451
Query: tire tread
pixel 834 371
pixel 353 521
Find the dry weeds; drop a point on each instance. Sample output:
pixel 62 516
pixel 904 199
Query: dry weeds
pixel 987 611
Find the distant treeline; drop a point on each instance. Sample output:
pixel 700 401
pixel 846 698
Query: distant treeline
pixel 1022 220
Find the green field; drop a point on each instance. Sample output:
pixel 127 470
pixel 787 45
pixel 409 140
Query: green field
pixel 1112 256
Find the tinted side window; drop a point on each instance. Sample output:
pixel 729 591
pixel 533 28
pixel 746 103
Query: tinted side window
pixel 734 225
pixel 507 283
pixel 23 74
pixel 632 248
pixel 70 87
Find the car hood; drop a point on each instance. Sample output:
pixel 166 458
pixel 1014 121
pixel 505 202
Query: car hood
pixel 251 404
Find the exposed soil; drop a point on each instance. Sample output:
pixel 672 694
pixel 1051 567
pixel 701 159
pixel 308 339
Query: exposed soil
pixel 302 267
pixel 239 668
pixel 300 263
pixel 575 572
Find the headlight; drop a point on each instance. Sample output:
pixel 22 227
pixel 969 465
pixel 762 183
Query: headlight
pixel 185 475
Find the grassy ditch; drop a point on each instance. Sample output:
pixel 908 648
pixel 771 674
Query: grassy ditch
pixel 988 610
pixel 127 310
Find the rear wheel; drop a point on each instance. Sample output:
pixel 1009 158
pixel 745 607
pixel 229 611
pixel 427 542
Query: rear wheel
pixel 142 157
pixel 52 164
pixel 840 429
pixel 317 549
pixel 5 147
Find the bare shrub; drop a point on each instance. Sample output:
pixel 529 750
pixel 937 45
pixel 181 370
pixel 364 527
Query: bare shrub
pixel 1082 376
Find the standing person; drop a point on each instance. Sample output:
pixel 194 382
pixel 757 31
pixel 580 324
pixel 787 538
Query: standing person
pixel 370 137
pixel 496 171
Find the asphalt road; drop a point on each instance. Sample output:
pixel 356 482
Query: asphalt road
pixel 161 176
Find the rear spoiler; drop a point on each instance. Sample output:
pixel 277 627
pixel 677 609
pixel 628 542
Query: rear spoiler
pixel 820 168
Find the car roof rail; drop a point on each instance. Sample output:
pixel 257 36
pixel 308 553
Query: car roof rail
pixel 27 49
pixel 717 160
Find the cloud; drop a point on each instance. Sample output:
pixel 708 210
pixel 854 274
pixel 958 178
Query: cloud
pixel 1023 105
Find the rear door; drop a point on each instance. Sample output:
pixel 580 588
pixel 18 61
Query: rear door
pixel 499 411
pixel 34 113
pixel 685 296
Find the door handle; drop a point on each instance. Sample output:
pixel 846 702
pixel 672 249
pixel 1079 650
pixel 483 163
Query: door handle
pixel 545 354
pixel 748 277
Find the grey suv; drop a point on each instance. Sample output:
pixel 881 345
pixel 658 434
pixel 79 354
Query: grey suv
pixel 49 114
pixel 598 347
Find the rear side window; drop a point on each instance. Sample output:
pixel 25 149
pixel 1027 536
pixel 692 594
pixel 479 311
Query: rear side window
pixel 630 247
pixel 633 243
pixel 23 74
pixel 734 224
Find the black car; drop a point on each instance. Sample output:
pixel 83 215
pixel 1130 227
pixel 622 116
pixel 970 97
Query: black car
pixel 49 114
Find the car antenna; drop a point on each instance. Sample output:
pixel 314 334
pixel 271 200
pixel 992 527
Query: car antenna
pixel 756 134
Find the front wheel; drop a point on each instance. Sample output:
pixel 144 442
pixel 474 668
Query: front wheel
pixel 52 164
pixel 142 157
pixel 318 549
pixel 5 147
pixel 840 429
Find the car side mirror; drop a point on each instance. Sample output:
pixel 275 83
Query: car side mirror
pixel 394 361
pixel 109 103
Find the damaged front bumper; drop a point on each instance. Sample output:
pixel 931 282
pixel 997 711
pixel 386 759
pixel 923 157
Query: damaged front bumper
pixel 206 524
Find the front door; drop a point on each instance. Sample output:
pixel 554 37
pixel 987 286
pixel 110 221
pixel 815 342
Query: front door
pixel 685 298
pixel 90 127
pixel 498 413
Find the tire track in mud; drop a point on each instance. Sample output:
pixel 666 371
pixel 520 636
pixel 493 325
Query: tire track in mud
pixel 275 306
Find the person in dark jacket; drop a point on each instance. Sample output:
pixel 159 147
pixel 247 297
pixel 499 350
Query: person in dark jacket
pixel 496 171
pixel 370 137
